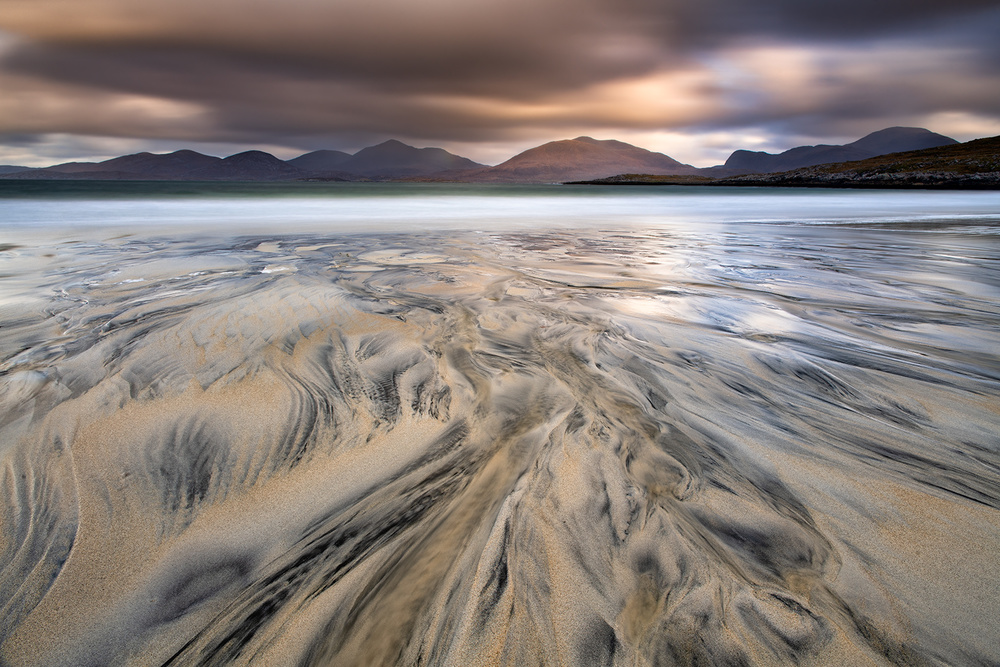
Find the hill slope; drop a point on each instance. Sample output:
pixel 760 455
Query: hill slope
pixel 324 160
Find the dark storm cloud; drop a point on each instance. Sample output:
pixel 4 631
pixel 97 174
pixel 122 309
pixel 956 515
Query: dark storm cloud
pixel 300 71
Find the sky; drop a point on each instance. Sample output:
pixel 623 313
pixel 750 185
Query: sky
pixel 486 79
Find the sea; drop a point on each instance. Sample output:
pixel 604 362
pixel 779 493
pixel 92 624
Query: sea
pixel 447 424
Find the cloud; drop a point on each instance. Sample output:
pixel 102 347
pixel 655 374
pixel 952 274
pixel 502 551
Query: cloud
pixel 805 83
pixel 516 46
pixel 30 105
pixel 311 73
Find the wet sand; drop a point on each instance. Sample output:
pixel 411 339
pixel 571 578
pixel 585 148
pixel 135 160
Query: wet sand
pixel 755 446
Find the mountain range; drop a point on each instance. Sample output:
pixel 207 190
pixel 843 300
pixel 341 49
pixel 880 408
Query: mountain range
pixel 883 142
pixel 387 161
pixel 577 159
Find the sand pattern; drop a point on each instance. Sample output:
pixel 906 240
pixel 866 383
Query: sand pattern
pixel 618 448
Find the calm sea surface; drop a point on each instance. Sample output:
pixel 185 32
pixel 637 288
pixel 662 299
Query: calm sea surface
pixel 338 424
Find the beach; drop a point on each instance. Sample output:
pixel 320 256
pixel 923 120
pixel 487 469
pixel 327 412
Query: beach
pixel 562 427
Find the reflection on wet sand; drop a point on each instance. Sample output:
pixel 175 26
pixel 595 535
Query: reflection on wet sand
pixel 567 448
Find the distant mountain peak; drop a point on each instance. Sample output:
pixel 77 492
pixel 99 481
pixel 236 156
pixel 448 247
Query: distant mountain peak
pixel 255 155
pixel 393 145
pixel 583 158
pixel 394 159
pixel 187 153
pixel 900 129
pixel 899 139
